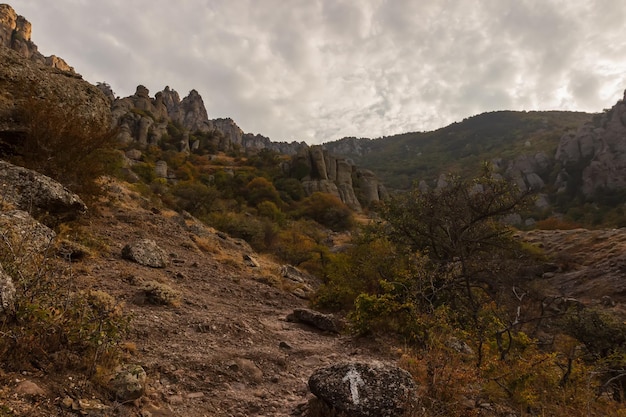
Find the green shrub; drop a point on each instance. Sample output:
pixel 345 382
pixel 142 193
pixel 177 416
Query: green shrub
pixel 328 210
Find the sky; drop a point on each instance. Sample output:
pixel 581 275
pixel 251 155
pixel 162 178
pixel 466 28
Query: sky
pixel 320 70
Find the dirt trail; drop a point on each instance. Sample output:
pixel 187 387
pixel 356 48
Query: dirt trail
pixel 227 349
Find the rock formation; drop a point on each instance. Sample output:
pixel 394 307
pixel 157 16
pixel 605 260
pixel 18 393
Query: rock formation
pixel 595 156
pixel 38 194
pixel 22 81
pixel 144 121
pixel 338 176
pixel 15 32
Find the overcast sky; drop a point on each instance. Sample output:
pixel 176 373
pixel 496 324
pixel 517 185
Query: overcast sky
pixel 319 70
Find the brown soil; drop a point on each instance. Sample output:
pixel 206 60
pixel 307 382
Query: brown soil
pixel 225 350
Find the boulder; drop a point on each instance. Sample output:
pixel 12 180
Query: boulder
pixel 26 233
pixel 364 389
pixel 38 194
pixel 325 322
pixel 129 383
pixel 145 252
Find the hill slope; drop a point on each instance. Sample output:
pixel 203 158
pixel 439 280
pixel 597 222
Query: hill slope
pixel 401 159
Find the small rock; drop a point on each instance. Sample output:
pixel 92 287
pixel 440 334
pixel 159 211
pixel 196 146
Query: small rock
pixel 284 345
pixel 175 399
pixel 325 322
pixel 250 261
pixel 193 395
pixel 30 389
pixel 129 383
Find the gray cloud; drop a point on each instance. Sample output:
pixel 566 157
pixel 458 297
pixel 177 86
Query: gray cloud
pixel 317 70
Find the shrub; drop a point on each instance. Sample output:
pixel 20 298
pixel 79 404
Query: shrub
pixel 51 318
pixel 73 150
pixel 161 294
pixel 328 210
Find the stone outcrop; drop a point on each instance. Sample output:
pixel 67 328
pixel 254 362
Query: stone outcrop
pixel 364 389
pixel 144 121
pixel 15 34
pixel 38 194
pixel 338 176
pixel 22 80
pixel 26 233
pixel 528 170
pixel 595 156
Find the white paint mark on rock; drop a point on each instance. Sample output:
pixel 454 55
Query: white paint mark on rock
pixel 355 380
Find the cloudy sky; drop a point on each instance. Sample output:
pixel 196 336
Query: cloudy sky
pixel 319 70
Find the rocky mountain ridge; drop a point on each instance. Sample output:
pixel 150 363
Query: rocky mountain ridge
pixel 15 33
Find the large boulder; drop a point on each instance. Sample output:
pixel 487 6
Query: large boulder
pixel 364 389
pixel 38 194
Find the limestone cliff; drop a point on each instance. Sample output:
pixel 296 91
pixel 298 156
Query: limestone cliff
pixel 15 33
pixel 338 176
pixel 144 121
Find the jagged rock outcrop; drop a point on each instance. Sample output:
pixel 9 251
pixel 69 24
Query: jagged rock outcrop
pixel 364 389
pixel 595 156
pixel 527 171
pixel 38 194
pixel 338 176
pixel 144 121
pixel 15 33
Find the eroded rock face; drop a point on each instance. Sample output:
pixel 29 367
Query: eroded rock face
pixel 598 149
pixel 145 252
pixel 38 194
pixel 339 177
pixel 364 389
pixel 15 33
pixel 22 79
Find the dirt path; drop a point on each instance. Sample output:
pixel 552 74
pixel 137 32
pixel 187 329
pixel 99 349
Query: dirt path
pixel 227 349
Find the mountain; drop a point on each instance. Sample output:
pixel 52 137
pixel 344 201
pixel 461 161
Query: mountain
pixel 500 137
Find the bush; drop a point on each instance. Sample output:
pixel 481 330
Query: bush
pixel 53 320
pixel 328 210
pixel 74 151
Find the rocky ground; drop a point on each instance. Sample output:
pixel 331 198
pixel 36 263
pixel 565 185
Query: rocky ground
pixel 225 349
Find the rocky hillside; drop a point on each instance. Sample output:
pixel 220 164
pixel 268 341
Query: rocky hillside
pixel 594 157
pixel 520 143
